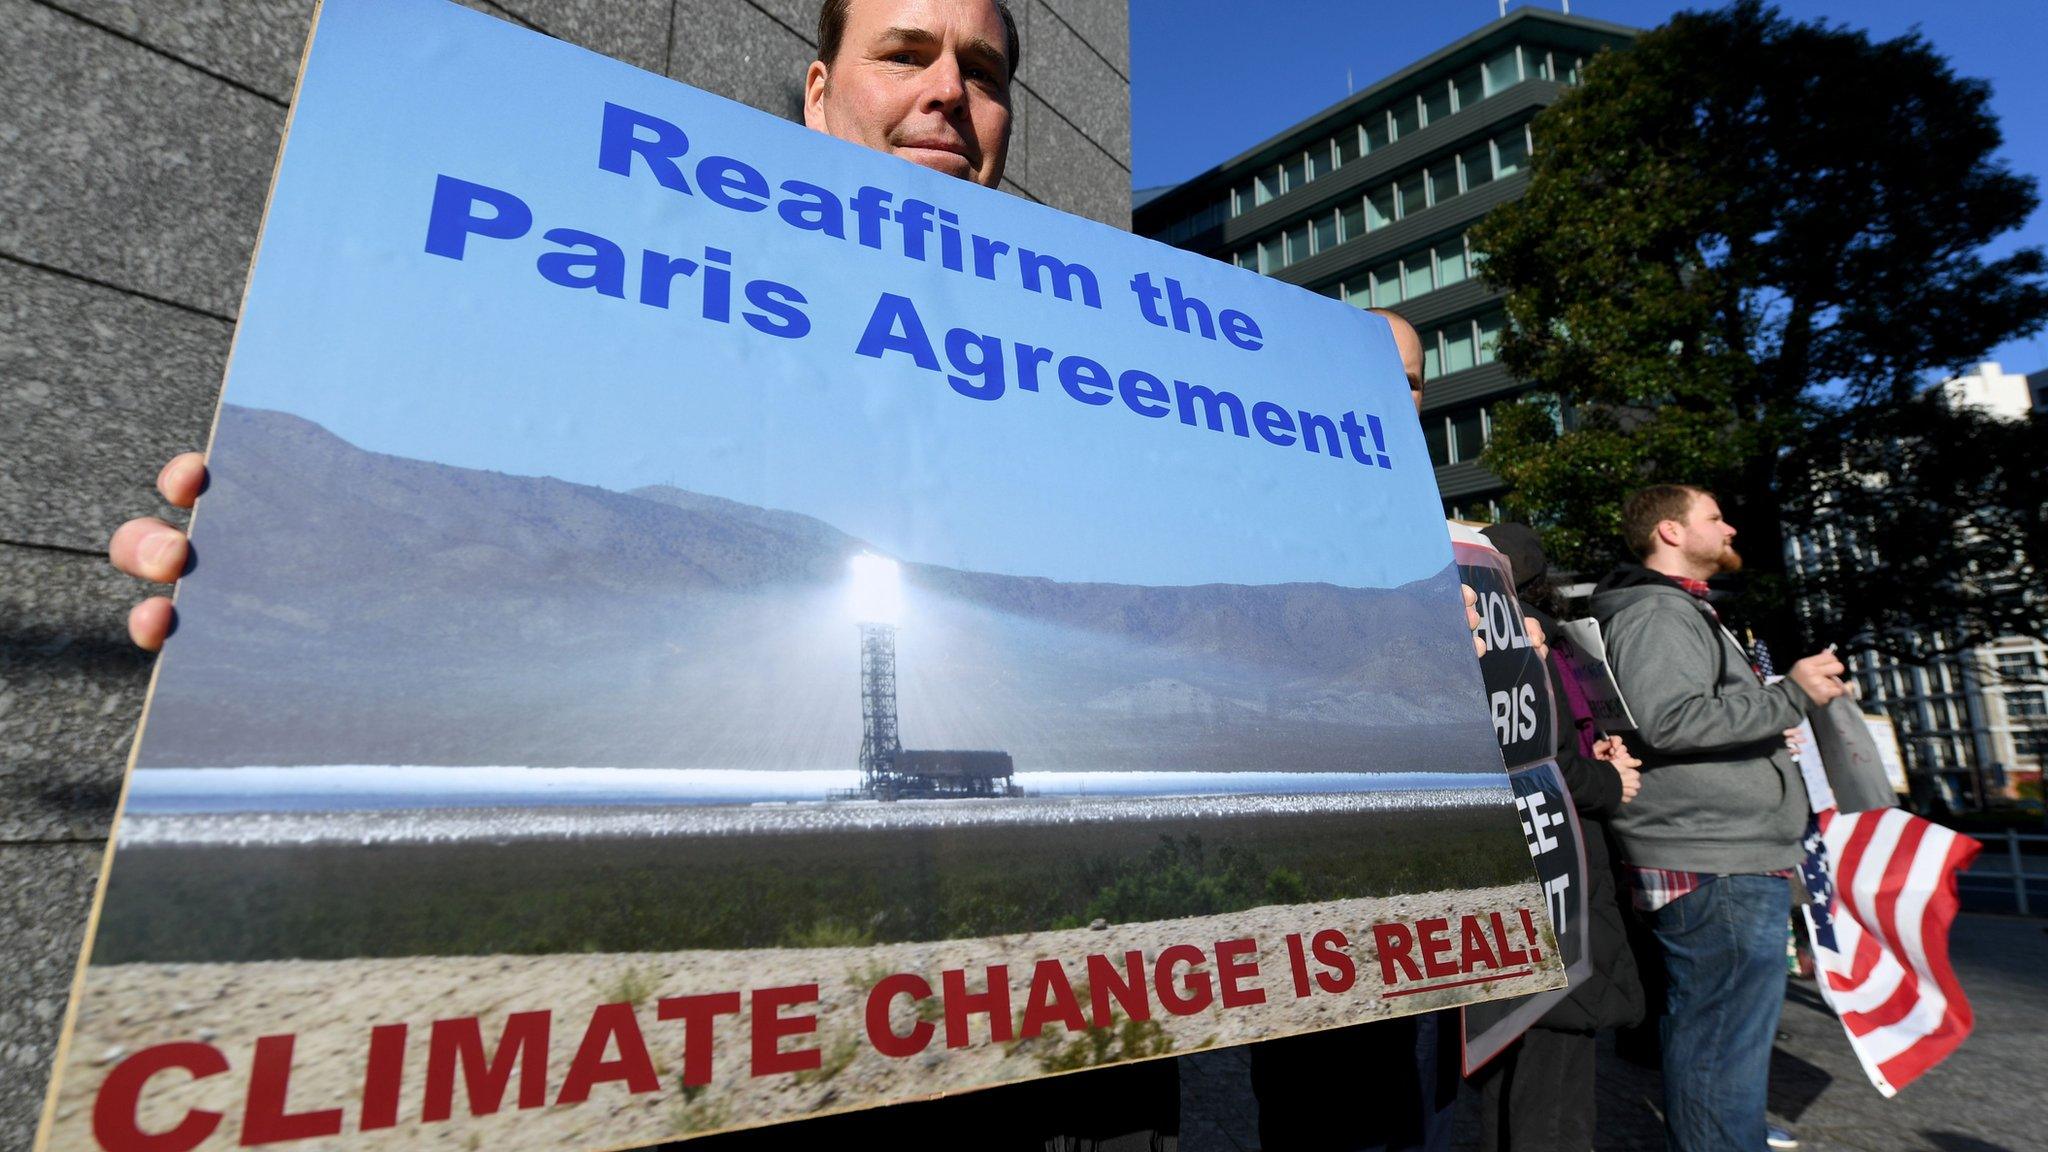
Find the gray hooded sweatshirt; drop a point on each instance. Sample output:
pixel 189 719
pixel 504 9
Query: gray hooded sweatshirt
pixel 1720 793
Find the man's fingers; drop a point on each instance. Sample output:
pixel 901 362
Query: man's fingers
pixel 183 479
pixel 150 622
pixel 149 549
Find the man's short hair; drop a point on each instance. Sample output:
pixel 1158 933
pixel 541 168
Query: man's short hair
pixel 1648 507
pixel 832 29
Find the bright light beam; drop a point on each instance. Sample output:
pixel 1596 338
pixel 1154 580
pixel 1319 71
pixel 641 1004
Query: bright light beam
pixel 877 594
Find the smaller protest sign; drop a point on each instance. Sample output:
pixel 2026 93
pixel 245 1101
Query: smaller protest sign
pixel 1551 824
pixel 1518 689
pixel 1582 655
pixel 1844 760
pixel 1886 737
pixel 1517 685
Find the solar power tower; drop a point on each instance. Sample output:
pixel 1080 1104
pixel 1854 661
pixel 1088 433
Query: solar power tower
pixel 877 606
pixel 879 744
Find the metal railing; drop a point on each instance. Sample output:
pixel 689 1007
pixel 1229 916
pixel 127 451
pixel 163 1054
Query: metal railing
pixel 2016 872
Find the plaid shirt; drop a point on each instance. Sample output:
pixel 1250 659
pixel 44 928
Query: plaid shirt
pixel 1653 888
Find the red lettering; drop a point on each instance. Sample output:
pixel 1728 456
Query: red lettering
pixel 1395 944
pixel 1196 982
pixel 1127 986
pixel 960 1004
pixel 1297 965
pixel 524 1042
pixel 880 997
pixel 1509 954
pixel 697 1013
pixel 1340 973
pixel 609 1023
pixel 382 1076
pixel 114 1122
pixel 770 1026
pixel 1436 944
pixel 1472 945
pixel 1231 969
pixel 264 1119
pixel 1051 998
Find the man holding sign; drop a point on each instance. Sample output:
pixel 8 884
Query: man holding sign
pixel 1714 834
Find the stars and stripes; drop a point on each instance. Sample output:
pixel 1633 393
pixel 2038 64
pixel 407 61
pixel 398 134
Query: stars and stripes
pixel 1888 976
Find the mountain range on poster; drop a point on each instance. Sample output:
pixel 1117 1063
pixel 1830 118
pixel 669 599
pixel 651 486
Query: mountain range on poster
pixel 349 607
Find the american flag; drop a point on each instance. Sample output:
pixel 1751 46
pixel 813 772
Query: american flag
pixel 1888 976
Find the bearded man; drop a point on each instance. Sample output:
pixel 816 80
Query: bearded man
pixel 1714 834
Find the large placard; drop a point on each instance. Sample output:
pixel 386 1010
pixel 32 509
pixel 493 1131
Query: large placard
pixel 697 624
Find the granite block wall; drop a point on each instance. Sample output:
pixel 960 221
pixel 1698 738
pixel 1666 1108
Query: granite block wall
pixel 136 143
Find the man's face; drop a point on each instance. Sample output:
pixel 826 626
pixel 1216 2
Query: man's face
pixel 926 80
pixel 1705 539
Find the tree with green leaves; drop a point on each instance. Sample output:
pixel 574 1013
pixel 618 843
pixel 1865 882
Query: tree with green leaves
pixel 1746 246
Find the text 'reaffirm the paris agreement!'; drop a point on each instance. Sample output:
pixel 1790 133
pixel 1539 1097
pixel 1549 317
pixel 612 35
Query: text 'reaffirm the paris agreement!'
pixel 981 366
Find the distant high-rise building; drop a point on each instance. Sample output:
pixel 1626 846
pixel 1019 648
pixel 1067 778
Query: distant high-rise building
pixel 1972 722
pixel 1370 200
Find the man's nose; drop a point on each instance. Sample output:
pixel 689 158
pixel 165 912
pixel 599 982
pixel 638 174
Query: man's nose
pixel 945 88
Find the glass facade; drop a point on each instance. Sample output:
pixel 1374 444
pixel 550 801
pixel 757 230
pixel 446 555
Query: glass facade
pixel 1444 155
pixel 1404 114
pixel 1412 192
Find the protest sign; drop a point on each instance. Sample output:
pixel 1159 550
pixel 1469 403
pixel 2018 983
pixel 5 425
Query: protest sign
pixel 1582 655
pixel 697 624
pixel 1524 714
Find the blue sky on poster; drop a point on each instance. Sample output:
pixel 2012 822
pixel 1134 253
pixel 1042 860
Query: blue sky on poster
pixel 1205 85
pixel 482 363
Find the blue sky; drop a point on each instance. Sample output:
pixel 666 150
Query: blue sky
pixel 1205 84
pixel 481 362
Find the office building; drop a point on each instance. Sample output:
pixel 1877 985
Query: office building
pixel 1370 201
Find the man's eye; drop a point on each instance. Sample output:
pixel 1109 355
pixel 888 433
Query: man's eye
pixel 902 57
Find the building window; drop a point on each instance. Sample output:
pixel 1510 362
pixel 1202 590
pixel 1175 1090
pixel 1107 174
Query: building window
pixel 2030 703
pixel 1272 254
pixel 1248 258
pixel 1243 197
pixel 1297 243
pixel 1320 162
pixel 1407 117
pixel 2032 745
pixel 1468 434
pixel 1269 185
pixel 1326 231
pixel 1502 71
pixel 1413 195
pixel 1418 278
pixel 1436 432
pixel 1294 171
pixel 1478 165
pixel 1436 103
pixel 1450 262
pixel 1489 336
pixel 1359 292
pixel 1443 180
pixel 1460 352
pixel 1349 144
pixel 1537 61
pixel 2019 665
pixel 1379 207
pixel 1353 224
pixel 1467 88
pixel 1386 285
pixel 1377 133
pixel 1432 359
pixel 1511 153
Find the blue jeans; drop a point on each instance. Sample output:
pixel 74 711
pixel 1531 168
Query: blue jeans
pixel 1724 960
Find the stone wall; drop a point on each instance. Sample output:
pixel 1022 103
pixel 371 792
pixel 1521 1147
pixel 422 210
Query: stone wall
pixel 135 148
